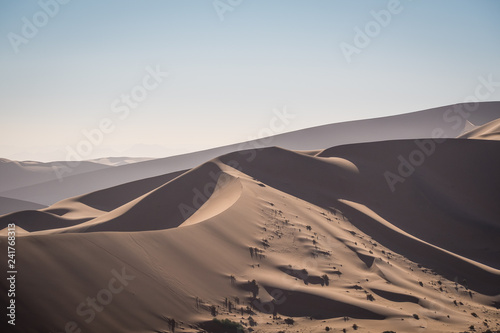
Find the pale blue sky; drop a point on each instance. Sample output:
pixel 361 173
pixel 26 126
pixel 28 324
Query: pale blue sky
pixel 226 77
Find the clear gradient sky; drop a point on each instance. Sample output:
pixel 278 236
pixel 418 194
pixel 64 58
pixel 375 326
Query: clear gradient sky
pixel 226 76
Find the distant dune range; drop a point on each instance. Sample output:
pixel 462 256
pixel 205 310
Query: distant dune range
pixel 316 235
pixel 14 174
pixel 83 179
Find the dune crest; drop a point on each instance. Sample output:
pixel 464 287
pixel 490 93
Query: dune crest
pixel 489 131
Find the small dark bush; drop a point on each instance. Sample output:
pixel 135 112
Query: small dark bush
pixel 416 316
pixel 224 325
pixel 289 321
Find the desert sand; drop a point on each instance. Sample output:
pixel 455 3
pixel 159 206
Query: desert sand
pixel 275 240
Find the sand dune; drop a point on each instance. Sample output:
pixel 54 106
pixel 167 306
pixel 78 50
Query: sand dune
pixel 53 191
pixel 468 127
pixel 118 161
pixel 317 237
pixel 85 207
pixel 446 120
pixel 489 131
pixel 8 205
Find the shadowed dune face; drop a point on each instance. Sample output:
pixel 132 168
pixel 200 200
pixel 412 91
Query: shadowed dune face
pixel 304 304
pixel 112 198
pixel 395 297
pixel 276 232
